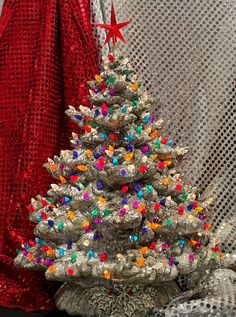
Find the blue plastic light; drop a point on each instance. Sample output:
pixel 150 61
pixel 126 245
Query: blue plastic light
pixel 75 154
pixel 163 202
pixel 115 161
pixel 79 117
pixel 134 237
pixel 103 135
pixel 50 223
pixel 91 254
pixel 140 194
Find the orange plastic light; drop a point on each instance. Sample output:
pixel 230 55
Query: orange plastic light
pixel 168 163
pixel 142 209
pixel 154 134
pixel 30 256
pixel 82 168
pixel 140 262
pixel 50 252
pixel 192 243
pixel 153 157
pixel 52 268
pixel 62 179
pixel 135 86
pixel 143 250
pixel 53 167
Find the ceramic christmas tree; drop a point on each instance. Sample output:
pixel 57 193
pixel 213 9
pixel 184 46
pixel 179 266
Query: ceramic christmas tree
pixel 120 224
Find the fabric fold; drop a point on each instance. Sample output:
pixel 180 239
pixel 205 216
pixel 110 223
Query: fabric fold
pixel 46 58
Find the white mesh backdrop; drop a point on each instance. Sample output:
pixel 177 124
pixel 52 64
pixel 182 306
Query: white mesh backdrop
pixel 185 53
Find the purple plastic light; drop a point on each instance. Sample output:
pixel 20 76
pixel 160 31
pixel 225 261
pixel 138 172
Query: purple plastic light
pixel 97 221
pixel 123 172
pixel 124 201
pixel 137 187
pixel 135 204
pixel 144 149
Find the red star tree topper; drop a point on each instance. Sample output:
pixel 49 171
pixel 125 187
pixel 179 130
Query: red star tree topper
pixel 114 28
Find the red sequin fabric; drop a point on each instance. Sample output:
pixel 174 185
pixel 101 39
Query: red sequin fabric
pixel 47 54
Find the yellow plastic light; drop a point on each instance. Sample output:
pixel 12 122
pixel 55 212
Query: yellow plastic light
pixel 107 274
pixel 154 226
pixel 85 223
pixel 198 209
pixel 165 181
pixel 129 156
pixel 98 78
pixel 101 199
pixel 110 148
pixel 71 214
pixel 88 153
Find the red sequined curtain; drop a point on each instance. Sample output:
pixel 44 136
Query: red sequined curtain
pixel 47 53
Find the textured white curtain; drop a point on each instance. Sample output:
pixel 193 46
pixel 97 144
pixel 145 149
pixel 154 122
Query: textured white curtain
pixel 185 52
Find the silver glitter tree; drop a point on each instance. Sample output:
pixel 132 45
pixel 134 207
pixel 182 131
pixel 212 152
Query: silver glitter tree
pixel 120 225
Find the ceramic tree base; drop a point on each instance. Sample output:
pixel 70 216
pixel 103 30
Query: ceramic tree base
pixel 114 300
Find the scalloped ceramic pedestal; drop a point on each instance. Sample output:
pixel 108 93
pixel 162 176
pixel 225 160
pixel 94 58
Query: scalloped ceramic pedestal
pixel 115 301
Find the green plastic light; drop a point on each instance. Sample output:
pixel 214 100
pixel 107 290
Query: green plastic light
pixel 94 125
pixel 139 128
pixel 61 225
pixel 127 72
pixel 73 257
pixel 149 188
pixel 158 144
pixel 135 104
pixel 111 111
pixel 106 213
pixel 214 255
pixel 81 186
pixel 184 196
pixel 94 212
pixel 168 222
pixel 111 80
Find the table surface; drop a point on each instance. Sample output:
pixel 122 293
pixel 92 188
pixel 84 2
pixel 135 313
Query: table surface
pixel 19 313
